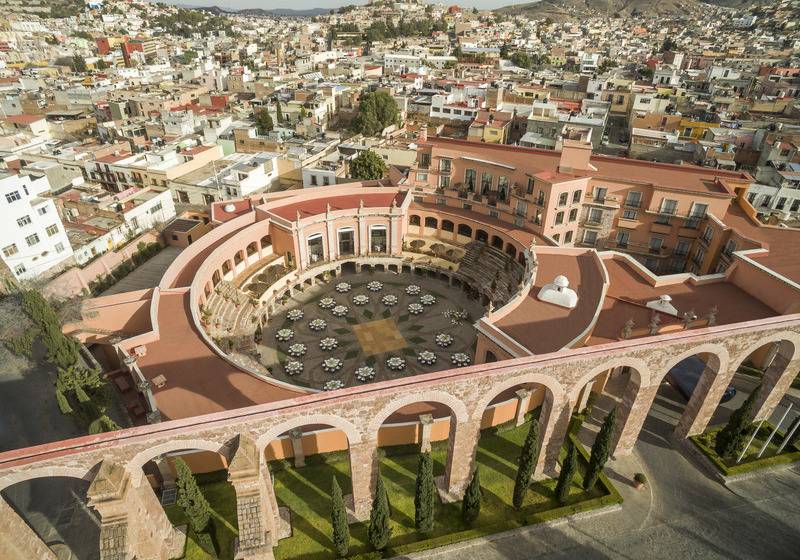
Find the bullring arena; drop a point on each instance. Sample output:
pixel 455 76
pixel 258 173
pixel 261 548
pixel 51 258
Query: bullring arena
pixel 210 352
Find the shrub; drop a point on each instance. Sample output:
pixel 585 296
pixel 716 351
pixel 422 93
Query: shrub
pixel 527 461
pixel 23 344
pixel 471 506
pixel 733 437
pixel 190 498
pixel 568 468
pixel 425 495
pixel 600 450
pixel 341 531
pixel 379 530
pixel 640 478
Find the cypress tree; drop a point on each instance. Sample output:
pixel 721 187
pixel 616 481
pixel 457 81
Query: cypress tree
pixel 471 506
pixel 278 111
pixel 600 450
pixel 733 437
pixel 341 530
pixel 526 463
pixel 425 495
pixel 567 473
pixel 379 530
pixel 190 498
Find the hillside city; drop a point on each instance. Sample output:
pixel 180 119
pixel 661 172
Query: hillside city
pixel 399 279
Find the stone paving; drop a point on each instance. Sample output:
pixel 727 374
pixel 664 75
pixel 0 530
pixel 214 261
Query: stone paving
pixel 370 334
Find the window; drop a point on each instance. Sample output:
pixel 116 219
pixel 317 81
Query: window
pixel 655 244
pixel 469 179
pixel 42 211
pixel 668 206
pixel 629 214
pixel 313 180
pixel 576 197
pixel 445 165
pixel 530 185
pixel 444 181
pixel 23 221
pixel 183 196
pixel 486 182
pixel 573 214
pixel 622 239
pixel 557 237
pixel 682 248
pixel 156 208
pixel 326 180
pixel 52 230
pixel 781 203
pixel 422 177
pixel 32 240
pixel 559 218
pixel 751 197
pixel 19 269
pixel 59 247
pixel 730 247
pixel 424 160
pixel 502 186
pixel 10 250
pixel 698 210
pixel 634 199
pixel 600 194
pixel 699 255
pixel 795 205
pixel 568 237
pixel 708 234
pixel 12 196
pixel 540 198
pixel 595 216
pixel 590 237
pixel 562 198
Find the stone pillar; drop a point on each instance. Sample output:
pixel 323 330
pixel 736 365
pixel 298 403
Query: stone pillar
pixel 631 413
pixel 426 425
pixel 776 382
pixel 296 436
pixel 583 400
pixel 164 470
pixel 463 444
pixel 17 540
pixel 554 421
pixel 703 402
pixel 249 475
pixel 132 522
pixel 364 466
pixel 523 402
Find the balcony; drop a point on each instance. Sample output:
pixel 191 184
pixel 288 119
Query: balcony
pixel 610 200
pixel 633 203
pixel 657 227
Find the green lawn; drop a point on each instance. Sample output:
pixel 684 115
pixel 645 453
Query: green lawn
pixel 305 491
pixel 222 497
pixel 705 442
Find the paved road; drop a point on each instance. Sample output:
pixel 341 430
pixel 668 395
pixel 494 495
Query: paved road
pixel 681 514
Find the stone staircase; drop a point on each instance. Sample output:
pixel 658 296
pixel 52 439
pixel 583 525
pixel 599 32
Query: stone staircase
pixel 232 313
pixel 485 266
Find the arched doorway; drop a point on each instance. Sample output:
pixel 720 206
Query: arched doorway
pixel 56 510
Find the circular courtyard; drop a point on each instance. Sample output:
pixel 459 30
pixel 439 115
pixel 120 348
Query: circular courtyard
pixel 367 327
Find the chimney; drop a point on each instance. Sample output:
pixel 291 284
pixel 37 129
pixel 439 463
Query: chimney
pixel 575 155
pixel 422 135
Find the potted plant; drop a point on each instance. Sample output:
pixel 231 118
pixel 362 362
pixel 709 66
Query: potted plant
pixel 639 480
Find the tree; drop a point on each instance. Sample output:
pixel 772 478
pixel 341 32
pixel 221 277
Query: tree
pixel 733 437
pixel 379 531
pixel 101 64
pixel 504 50
pixel 367 166
pixel 78 63
pixel 600 450
pixel 376 111
pixel 521 59
pixel 471 506
pixel 425 495
pixel 526 463
pixel 668 45
pixel 341 530
pixel 190 498
pixel 567 473
pixel 264 121
pixel 278 111
pixel 457 52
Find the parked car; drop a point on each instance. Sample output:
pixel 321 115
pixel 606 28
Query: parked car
pixel 685 376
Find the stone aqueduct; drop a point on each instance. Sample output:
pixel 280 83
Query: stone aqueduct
pixel 133 524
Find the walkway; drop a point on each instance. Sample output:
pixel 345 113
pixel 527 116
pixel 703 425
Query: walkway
pixel 148 275
pixel 681 514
